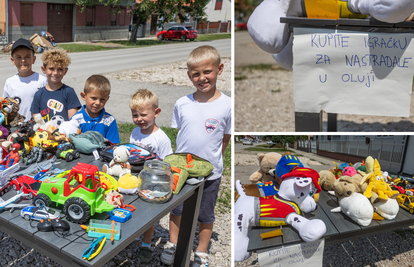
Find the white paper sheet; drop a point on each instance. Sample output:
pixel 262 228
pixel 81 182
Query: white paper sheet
pixel 352 72
pixel 306 254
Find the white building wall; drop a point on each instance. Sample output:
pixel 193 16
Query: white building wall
pixel 218 15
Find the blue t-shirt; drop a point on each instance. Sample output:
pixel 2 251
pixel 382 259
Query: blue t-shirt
pixel 55 103
pixel 105 123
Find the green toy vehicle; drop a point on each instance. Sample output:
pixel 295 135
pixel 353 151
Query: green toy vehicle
pixel 78 190
pixel 67 151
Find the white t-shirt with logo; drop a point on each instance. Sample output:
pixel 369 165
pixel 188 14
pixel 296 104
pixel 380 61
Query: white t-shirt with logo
pixel 24 88
pixel 202 127
pixel 159 141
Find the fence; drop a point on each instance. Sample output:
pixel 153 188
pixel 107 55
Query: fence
pixel 213 27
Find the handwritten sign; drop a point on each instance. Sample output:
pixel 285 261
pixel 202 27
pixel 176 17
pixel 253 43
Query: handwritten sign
pixel 306 254
pixel 352 72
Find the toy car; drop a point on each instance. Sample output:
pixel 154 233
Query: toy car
pixel 67 152
pixel 78 190
pixel 28 184
pixel 406 202
pixel 178 32
pixel 39 213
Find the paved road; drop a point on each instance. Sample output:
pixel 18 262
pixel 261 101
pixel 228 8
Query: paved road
pixel 100 62
pixel 247 52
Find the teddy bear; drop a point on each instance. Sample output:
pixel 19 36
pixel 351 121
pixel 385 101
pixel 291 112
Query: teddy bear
pixel 276 38
pixel 10 109
pixel 285 208
pixel 119 165
pixel 266 162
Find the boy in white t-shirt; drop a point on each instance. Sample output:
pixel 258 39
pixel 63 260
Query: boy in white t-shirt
pixel 144 109
pixel 204 120
pixel 26 82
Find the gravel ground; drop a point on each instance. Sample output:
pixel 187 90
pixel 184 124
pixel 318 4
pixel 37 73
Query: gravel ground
pixel 388 249
pixel 264 98
pixel 15 253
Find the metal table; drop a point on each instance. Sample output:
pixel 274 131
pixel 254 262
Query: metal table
pixel 68 251
pixel 339 227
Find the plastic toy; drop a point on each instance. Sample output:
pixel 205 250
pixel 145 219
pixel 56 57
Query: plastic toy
pixel 120 215
pixel 39 213
pixel 35 155
pixel 92 251
pixel 5 177
pixel 67 152
pixel 79 191
pixel 10 203
pixel 29 185
pixel 12 158
pixel 119 165
pixel 48 225
pixel 109 229
pixel 406 201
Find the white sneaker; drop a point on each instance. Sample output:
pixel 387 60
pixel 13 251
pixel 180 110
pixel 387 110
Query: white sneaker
pixel 200 259
pixel 168 255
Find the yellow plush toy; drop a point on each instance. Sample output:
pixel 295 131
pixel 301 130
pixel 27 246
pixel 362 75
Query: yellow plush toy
pixel 128 184
pixel 378 185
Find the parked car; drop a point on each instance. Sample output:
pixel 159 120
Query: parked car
pixel 38 213
pixel 178 32
pixel 247 142
pixel 270 143
pixel 241 26
pixel 28 184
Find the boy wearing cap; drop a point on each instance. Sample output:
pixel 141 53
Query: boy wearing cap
pixel 26 82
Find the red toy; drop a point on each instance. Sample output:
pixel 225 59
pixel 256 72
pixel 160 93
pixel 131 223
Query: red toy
pixel 12 158
pixel 28 184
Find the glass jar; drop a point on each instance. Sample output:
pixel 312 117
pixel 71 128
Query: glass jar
pixel 155 182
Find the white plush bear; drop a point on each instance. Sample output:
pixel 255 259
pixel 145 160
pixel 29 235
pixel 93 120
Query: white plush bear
pixel 274 37
pixel 119 165
pixel 357 207
pixel 294 197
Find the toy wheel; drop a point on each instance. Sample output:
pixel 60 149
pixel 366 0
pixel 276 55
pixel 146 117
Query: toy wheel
pixel 15 187
pixel 183 38
pixel 27 217
pixel 76 154
pixel 2 192
pixel 31 196
pixel 161 37
pixel 58 152
pixel 69 157
pixel 41 200
pixel 48 155
pixel 77 210
pixel 411 210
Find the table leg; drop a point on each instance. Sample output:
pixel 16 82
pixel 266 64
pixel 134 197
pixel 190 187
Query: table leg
pixel 187 228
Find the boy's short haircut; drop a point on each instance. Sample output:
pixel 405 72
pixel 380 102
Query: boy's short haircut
pixel 97 82
pixel 202 53
pixel 22 43
pixel 143 97
pixel 56 56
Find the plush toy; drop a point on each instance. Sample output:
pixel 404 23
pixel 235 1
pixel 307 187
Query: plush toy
pixel 114 198
pixel 327 179
pixel 294 197
pixel 266 162
pixel 10 110
pixel 128 184
pixel 353 204
pixel 89 141
pixel 274 37
pixel 119 164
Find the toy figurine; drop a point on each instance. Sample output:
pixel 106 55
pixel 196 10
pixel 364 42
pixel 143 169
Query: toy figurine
pixel 12 158
pixel 119 164
pixel 35 155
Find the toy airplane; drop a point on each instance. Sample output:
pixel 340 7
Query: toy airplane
pixel 9 204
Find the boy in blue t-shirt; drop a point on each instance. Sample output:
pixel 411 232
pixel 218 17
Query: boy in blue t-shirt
pixel 92 116
pixel 55 98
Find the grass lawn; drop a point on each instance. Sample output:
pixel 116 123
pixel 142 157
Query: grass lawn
pixel 75 47
pixel 224 198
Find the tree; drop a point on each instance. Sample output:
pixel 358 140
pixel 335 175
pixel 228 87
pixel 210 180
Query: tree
pixel 165 9
pixel 287 139
pixel 244 8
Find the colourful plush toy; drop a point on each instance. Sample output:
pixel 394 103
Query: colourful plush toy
pixel 294 197
pixel 10 109
pixel 128 184
pixel 119 165
pixel 276 38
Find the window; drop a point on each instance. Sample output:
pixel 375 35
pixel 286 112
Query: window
pixel 188 17
pixel 113 17
pixel 90 16
pixel 219 3
pixel 26 14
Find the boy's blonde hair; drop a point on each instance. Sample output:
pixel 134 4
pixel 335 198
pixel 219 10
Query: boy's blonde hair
pixel 56 56
pixel 202 53
pixel 97 82
pixel 143 97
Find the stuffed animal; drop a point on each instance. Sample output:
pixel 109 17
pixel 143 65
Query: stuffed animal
pixel 266 162
pixel 114 198
pixel 294 197
pixel 89 141
pixel 353 204
pixel 10 110
pixel 276 38
pixel 128 184
pixel 327 179
pixel 119 164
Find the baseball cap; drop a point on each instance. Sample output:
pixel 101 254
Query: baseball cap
pixel 21 42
